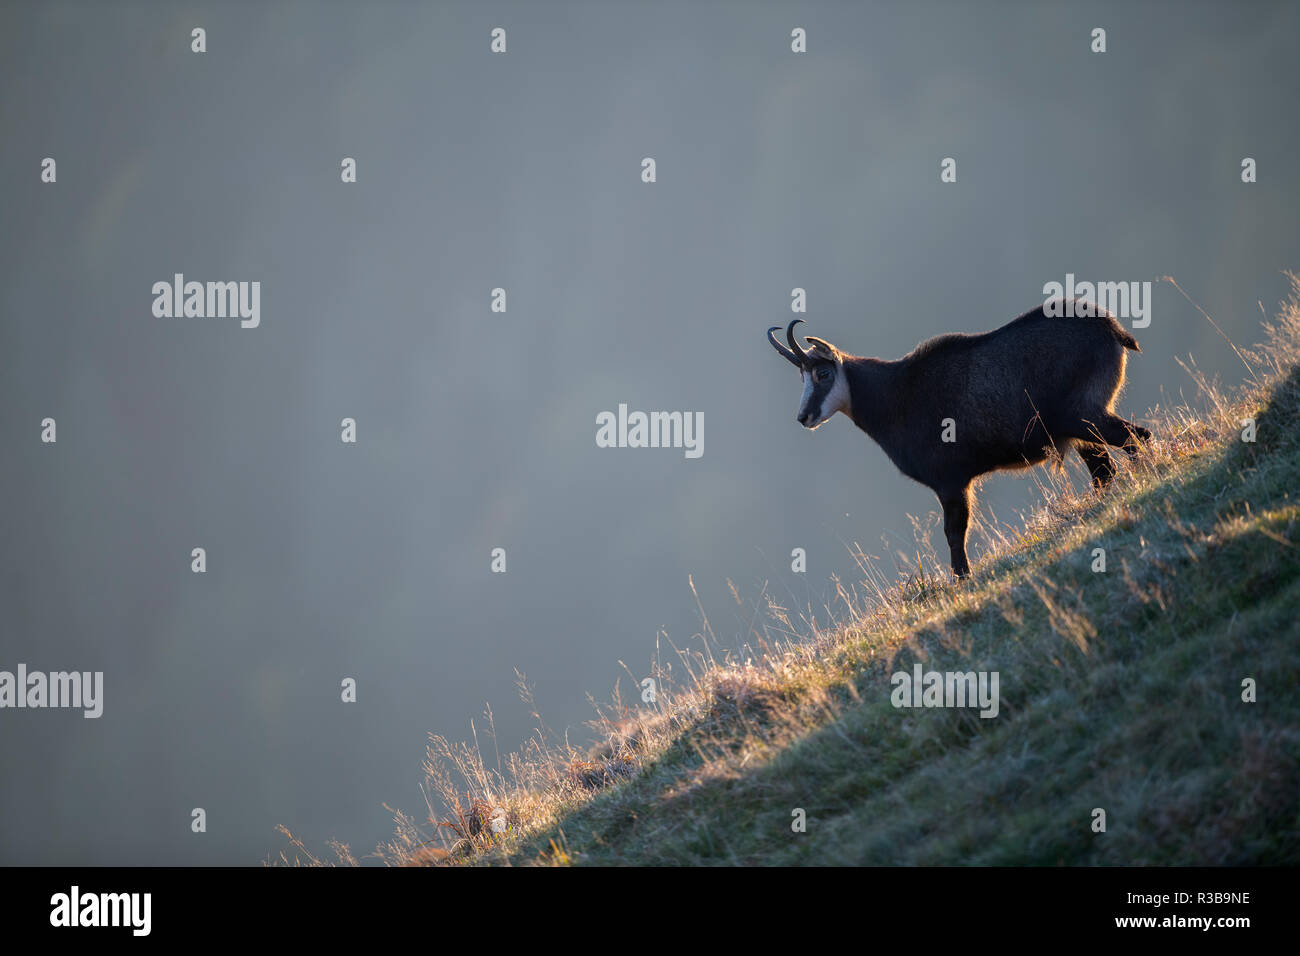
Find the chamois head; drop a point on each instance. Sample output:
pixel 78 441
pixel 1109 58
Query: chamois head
pixel 825 388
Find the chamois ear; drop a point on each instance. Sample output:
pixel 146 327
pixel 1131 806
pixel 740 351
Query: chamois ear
pixel 825 349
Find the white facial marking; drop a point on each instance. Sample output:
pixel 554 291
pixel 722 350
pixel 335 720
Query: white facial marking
pixel 836 400
pixel 807 391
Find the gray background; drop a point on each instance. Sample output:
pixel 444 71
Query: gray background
pixel 477 429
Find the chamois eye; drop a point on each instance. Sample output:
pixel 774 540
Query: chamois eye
pixel 823 375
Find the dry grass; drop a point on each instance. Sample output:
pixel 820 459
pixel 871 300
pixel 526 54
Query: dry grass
pixel 1111 683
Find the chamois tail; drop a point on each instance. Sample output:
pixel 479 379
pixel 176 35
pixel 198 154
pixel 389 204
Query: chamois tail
pixel 1125 339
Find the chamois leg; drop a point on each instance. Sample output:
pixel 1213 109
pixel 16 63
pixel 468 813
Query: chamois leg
pixel 956 519
pixel 1121 433
pixel 1098 461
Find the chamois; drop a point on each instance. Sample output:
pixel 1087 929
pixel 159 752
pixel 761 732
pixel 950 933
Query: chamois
pixel 960 405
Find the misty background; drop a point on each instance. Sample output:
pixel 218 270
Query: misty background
pixel 476 430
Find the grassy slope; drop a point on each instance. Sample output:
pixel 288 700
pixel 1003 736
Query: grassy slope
pixel 1119 690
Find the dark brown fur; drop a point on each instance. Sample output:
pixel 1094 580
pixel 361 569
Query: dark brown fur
pixel 1036 386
